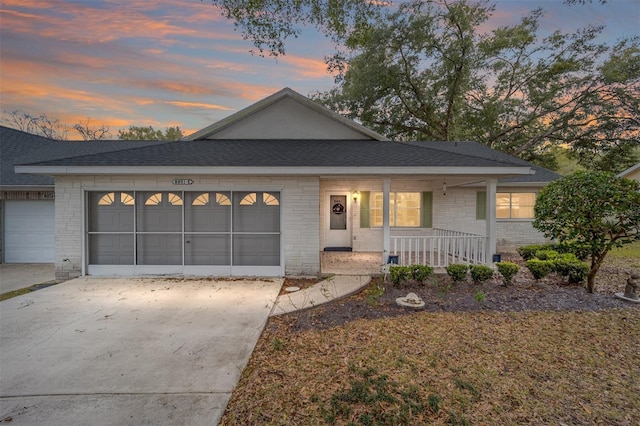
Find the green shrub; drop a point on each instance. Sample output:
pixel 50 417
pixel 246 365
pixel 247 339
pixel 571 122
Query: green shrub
pixel 570 267
pixel 399 274
pixel 581 251
pixel 481 273
pixel 457 272
pixel 529 252
pixel 421 272
pixel 577 272
pixel 539 268
pixel 508 270
pixel 546 254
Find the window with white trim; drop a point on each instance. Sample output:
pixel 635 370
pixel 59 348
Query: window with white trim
pixel 515 205
pixel 404 209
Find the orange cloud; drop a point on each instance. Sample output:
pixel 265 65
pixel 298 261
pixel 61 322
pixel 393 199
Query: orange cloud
pixel 198 105
pixel 307 67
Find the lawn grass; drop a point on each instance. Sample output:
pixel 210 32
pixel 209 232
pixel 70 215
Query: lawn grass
pixel 20 292
pixel 631 251
pixel 14 293
pixel 447 368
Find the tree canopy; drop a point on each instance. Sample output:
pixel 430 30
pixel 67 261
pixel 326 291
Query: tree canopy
pixel 592 211
pixel 427 71
pixel 269 23
pixel 140 133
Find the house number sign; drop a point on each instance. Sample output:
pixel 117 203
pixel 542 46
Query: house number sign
pixel 182 181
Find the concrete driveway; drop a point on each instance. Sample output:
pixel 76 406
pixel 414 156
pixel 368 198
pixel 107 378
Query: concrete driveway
pixel 128 351
pixel 20 275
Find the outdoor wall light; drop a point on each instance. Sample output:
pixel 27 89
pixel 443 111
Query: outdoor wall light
pixel 356 194
pixel 444 188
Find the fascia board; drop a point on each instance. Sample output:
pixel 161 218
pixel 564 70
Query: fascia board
pixel 266 171
pixel 509 184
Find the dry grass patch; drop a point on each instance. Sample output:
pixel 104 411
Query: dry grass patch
pixel 446 368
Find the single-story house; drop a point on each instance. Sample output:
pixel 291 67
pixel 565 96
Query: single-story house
pixel 632 173
pixel 273 188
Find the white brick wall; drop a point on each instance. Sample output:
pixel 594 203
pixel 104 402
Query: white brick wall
pixel 304 213
pixel 512 234
pixel 299 208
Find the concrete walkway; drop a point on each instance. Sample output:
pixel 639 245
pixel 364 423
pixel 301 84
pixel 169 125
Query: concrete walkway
pixel 330 289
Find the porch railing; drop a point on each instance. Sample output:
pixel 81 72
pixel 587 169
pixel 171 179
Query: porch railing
pixel 440 250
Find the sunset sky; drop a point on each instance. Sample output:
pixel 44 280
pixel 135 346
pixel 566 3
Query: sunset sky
pixel 180 63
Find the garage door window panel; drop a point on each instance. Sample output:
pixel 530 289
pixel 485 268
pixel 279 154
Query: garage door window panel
pixel 256 227
pixel 207 212
pixel 111 212
pixel 111 225
pixel 159 212
pixel 256 212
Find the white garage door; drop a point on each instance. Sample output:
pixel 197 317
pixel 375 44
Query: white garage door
pixel 29 232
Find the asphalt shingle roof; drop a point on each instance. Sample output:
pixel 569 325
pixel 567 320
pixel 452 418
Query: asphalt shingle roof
pixel 291 153
pixel 17 147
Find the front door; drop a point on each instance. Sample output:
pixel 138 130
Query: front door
pixel 338 228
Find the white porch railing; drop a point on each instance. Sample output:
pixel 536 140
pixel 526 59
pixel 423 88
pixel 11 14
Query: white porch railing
pixel 440 250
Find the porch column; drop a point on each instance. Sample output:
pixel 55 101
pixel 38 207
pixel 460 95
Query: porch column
pixel 386 231
pixel 491 219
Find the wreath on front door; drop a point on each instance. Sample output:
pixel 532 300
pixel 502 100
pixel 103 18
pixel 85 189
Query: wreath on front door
pixel 338 208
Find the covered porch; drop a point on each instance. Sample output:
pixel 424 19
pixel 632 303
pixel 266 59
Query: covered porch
pixel 441 224
pixel 438 251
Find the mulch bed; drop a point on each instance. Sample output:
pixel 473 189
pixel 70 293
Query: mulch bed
pixel 440 295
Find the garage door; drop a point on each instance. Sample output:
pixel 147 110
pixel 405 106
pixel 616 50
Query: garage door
pixel 188 232
pixel 29 231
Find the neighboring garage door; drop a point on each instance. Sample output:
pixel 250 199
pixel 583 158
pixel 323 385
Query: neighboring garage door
pixel 29 231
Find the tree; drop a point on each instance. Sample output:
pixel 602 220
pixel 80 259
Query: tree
pixel 53 128
pixel 40 125
pixel 592 211
pixel 139 133
pixel 89 133
pixel 268 23
pixel 426 71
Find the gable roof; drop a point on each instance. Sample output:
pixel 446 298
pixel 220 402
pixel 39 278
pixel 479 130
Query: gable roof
pixel 269 102
pixel 18 147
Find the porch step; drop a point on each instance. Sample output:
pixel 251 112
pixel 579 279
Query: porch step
pixel 338 249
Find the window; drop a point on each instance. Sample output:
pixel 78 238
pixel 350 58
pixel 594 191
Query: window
pixel 515 205
pixel 404 209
